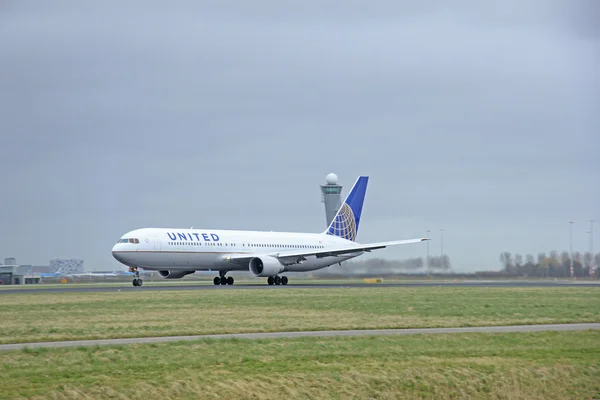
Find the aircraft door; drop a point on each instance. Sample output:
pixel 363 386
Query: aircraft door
pixel 156 243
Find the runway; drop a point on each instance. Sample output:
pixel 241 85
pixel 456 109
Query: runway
pixel 291 286
pixel 275 335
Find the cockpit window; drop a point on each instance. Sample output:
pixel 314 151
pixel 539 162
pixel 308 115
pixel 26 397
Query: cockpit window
pixel 130 240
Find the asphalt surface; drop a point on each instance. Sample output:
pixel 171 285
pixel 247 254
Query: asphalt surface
pixel 121 287
pixel 274 335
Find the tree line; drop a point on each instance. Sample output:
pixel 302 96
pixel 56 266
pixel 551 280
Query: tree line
pixel 380 266
pixel 552 264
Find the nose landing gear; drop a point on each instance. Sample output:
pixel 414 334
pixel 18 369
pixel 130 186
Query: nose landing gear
pixel 137 281
pixel 277 280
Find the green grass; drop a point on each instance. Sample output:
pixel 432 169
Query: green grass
pixel 68 316
pixel 543 365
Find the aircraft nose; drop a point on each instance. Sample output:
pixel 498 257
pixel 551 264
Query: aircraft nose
pixel 115 254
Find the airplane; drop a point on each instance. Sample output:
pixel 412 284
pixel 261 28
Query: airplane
pixel 175 253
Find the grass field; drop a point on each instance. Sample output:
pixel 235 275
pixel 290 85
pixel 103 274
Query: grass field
pixel 548 365
pixel 68 316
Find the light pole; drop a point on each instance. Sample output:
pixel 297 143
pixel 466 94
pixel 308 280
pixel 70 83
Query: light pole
pixel 571 246
pixel 592 266
pixel 427 260
pixel 442 247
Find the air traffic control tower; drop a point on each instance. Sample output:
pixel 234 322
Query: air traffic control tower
pixel 331 196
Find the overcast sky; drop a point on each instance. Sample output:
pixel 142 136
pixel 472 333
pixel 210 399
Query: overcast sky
pixel 483 120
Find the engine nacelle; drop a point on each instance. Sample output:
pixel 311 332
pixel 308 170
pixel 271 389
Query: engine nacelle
pixel 265 266
pixel 174 274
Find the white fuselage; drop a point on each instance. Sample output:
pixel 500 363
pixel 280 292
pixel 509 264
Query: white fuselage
pixel 210 249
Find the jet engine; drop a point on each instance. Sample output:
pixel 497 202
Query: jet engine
pixel 265 266
pixel 174 274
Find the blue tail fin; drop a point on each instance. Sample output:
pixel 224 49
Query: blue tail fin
pixel 345 223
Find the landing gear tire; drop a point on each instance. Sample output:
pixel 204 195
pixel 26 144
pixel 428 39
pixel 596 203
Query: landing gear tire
pixel 270 281
pixel 136 278
pixel 284 280
pixel 223 280
pixel 278 280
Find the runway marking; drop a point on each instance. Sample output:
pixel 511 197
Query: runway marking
pixel 275 335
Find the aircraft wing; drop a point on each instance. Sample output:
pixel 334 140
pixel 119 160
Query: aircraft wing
pixel 333 252
pixel 293 257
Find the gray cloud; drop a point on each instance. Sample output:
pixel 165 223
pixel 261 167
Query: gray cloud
pixel 480 119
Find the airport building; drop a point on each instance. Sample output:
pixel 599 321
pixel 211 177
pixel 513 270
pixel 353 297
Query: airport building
pixel 10 275
pixel 331 195
pixel 66 266
pixel 10 261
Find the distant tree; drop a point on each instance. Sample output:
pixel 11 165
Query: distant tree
pixel 506 260
pixel 445 262
pixel 529 259
pixel 587 259
pixel 518 260
pixel 419 263
pixel 430 263
pixel 577 264
pixel 565 261
pixel 541 257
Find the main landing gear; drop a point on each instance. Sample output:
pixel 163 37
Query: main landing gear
pixel 222 279
pixel 137 281
pixel 277 280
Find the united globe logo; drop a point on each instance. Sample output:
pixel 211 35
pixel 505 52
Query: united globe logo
pixel 344 224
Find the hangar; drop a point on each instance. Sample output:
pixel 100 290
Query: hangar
pixel 9 276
